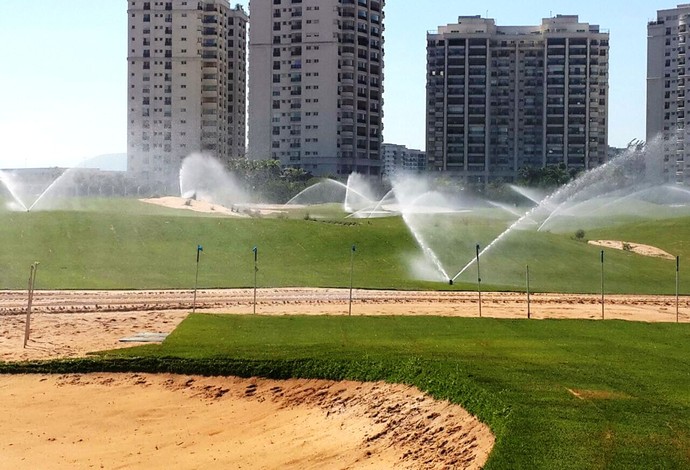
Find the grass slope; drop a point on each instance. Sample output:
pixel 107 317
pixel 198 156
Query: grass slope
pixel 127 244
pixel 558 394
pixel 110 250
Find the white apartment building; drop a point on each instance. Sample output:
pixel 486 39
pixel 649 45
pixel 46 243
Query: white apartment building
pixel 400 159
pixel 668 44
pixel 315 94
pixel 186 86
pixel 500 98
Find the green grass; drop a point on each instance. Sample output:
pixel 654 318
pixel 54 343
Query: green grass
pixel 515 375
pixel 139 249
pixel 120 244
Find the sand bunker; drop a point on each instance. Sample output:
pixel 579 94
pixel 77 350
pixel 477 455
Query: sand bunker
pixel 637 248
pixel 166 421
pixel 195 205
pixel 205 207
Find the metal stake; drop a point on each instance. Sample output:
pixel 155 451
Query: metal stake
pixel 32 283
pixel 529 313
pixel 352 268
pixel 256 270
pixel 479 283
pixel 602 284
pixel 677 288
pixel 199 249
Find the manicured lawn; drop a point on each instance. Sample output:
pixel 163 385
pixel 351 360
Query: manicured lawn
pixel 558 394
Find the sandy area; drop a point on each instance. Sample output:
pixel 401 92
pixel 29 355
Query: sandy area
pixel 164 421
pixel 199 205
pixel 637 248
pixel 195 205
pixel 143 421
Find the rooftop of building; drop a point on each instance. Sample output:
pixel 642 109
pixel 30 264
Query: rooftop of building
pixel 557 24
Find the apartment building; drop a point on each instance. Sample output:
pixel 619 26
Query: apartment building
pixel 315 96
pixel 186 86
pixel 504 97
pixel 400 159
pixel 668 43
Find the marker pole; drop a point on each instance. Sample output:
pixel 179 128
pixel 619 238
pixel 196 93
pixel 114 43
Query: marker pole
pixel 32 283
pixel 199 249
pixel 352 269
pixel 479 283
pixel 602 284
pixel 677 288
pixel 256 270
pixel 529 312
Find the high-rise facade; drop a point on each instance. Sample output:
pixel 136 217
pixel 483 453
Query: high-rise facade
pixel 503 98
pixel 315 94
pixel 186 86
pixel 668 44
pixel 400 159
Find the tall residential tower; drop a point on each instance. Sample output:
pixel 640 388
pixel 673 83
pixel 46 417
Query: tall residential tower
pixel 668 44
pixel 186 86
pixel 317 81
pixel 503 98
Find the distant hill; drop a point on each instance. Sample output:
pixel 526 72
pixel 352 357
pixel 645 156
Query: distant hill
pixel 108 162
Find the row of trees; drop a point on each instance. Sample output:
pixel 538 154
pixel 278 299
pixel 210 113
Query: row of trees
pixel 268 182
pixel 548 177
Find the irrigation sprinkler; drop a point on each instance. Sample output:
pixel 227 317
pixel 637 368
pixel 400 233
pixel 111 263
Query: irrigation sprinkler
pixel 602 284
pixel 352 269
pixel 256 270
pixel 199 249
pixel 32 284
pixel 529 313
pixel 677 288
pixel 479 283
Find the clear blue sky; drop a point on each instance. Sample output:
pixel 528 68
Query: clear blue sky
pixel 64 70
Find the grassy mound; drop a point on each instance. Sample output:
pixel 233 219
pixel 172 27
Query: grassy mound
pixel 125 244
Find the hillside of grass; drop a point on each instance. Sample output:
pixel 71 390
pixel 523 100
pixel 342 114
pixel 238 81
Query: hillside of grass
pixel 557 394
pixel 125 244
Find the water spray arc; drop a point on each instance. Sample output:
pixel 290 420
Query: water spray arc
pixel 8 183
pixel 607 179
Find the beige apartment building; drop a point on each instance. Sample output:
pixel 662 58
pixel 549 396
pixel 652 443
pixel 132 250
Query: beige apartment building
pixel 400 160
pixel 315 94
pixel 186 86
pixel 500 98
pixel 668 44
